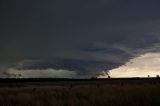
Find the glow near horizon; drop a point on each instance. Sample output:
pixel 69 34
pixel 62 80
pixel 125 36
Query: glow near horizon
pixel 142 66
pixel 45 73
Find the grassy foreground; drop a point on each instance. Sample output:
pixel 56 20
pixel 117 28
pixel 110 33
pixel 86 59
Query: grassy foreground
pixel 82 95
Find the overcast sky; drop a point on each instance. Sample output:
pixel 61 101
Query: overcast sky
pixel 75 38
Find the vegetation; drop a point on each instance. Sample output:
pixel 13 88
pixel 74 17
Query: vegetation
pixel 82 95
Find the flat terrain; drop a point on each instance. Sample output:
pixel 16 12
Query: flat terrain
pixel 80 92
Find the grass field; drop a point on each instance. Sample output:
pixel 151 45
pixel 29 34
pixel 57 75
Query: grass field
pixel 82 95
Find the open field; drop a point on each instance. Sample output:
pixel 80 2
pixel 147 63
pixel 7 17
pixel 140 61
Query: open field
pixel 112 92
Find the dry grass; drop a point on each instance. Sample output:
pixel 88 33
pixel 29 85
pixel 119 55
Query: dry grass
pixel 84 95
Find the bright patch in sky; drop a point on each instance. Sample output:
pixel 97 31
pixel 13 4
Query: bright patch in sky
pixel 142 66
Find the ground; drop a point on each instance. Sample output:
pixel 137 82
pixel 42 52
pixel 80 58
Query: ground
pixel 119 94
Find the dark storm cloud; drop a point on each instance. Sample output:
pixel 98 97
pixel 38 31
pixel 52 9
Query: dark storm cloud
pixel 86 36
pixel 83 68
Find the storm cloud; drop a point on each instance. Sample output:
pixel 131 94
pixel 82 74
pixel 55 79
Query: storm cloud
pixel 84 36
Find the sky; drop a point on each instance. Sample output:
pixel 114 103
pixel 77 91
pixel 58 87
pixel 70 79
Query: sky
pixel 77 38
pixel 146 65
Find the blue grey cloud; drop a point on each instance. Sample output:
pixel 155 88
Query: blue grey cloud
pixel 84 36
